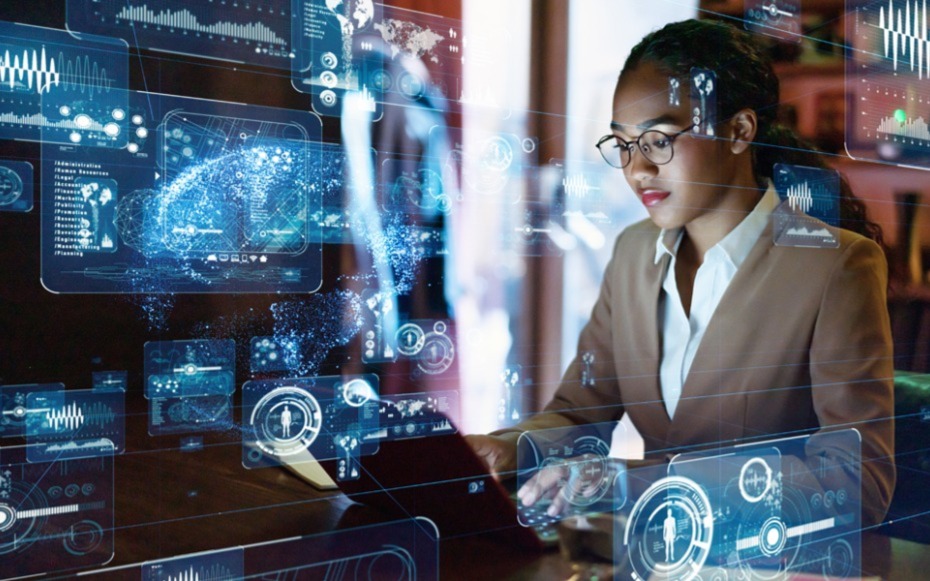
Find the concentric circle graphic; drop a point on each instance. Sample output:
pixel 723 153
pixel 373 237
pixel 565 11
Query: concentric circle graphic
pixel 286 421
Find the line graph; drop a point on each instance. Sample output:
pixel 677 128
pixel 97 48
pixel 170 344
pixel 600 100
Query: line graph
pixel 39 72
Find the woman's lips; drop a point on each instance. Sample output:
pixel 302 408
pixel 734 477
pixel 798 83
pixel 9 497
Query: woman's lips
pixel 652 197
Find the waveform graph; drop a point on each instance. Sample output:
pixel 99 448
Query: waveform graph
pixel 250 32
pixel 810 206
pixel 221 565
pixel 61 88
pixel 74 424
pixel 888 81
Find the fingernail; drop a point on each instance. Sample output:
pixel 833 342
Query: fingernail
pixel 551 511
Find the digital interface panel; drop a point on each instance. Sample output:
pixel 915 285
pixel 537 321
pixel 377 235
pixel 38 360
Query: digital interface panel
pixel 576 460
pixel 208 197
pixel 778 18
pixel 330 417
pixel 416 415
pixel 888 78
pixel 110 380
pixel 14 405
pixel 55 515
pixel 767 510
pixel 75 424
pixel 16 186
pixel 810 198
pixel 225 565
pixel 250 32
pixel 62 88
pixel 335 53
pixel 190 368
pixel 429 344
pixel 406 549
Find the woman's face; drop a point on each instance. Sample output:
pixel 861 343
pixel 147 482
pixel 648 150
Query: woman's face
pixel 697 183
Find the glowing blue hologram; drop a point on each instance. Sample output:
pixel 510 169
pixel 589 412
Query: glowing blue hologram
pixel 491 164
pixel 62 88
pixel 328 416
pixel 704 101
pixel 190 368
pixel 75 424
pixel 538 228
pixel 274 354
pixel 669 531
pixel 886 83
pixel 415 191
pixel 433 349
pixel 334 48
pixel 510 404
pixel 257 33
pixel 54 516
pixel 575 462
pixel 110 380
pixel 810 200
pixel 406 549
pixel 190 413
pixel 14 402
pixel 222 565
pixel 767 509
pixel 207 197
pixel 415 415
pixel 16 187
pixel 777 18
pixel 379 333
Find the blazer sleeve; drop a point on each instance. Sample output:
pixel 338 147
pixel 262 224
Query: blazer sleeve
pixel 588 392
pixel 852 375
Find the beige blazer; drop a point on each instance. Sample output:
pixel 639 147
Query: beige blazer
pixel 800 341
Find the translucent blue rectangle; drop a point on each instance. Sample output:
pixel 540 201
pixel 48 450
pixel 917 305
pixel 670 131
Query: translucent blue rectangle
pixel 252 32
pixel 223 565
pixel 110 380
pixel 334 54
pixel 328 416
pixel 192 413
pixel 415 415
pixel 58 514
pixel 810 199
pixel 62 88
pixel 14 402
pixel 407 549
pixel 196 367
pixel 207 197
pixel 75 424
pixel 16 187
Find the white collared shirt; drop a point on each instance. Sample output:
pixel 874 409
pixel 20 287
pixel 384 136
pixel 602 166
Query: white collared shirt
pixel 681 334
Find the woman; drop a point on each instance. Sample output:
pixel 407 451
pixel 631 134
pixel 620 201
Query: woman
pixel 705 332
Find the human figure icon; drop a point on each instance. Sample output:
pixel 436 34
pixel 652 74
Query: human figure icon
pixel 286 422
pixel 669 532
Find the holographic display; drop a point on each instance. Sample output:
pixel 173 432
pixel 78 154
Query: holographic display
pixel 766 510
pixel 810 199
pixel 428 343
pixel 335 53
pixel 110 380
pixel 491 164
pixel 404 550
pixel 56 515
pixel 75 424
pixel 16 187
pixel 328 416
pixel 250 32
pixel 208 197
pixel 14 405
pixel 224 565
pixel 704 101
pixel 270 354
pixel 62 88
pixel 189 385
pixel 888 78
pixel 568 471
pixel 415 415
pixel 777 18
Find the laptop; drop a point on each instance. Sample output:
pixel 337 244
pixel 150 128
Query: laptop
pixel 441 478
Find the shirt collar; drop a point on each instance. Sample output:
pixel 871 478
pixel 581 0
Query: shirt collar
pixel 735 245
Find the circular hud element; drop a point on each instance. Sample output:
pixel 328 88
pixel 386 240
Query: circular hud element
pixel 286 420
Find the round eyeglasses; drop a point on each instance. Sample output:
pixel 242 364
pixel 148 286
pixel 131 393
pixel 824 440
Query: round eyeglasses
pixel 655 145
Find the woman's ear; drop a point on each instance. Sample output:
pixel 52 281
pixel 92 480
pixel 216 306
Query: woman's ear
pixel 743 127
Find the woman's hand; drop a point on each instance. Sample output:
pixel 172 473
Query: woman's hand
pixel 566 482
pixel 499 454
